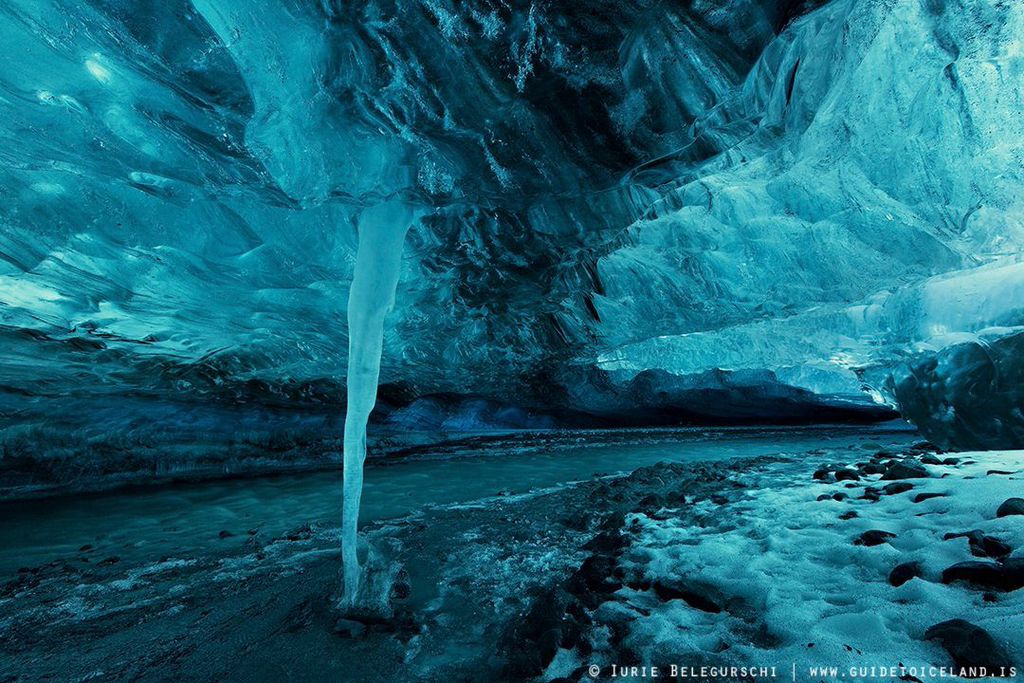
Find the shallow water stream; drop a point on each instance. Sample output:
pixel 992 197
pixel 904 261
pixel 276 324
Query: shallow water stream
pixel 187 519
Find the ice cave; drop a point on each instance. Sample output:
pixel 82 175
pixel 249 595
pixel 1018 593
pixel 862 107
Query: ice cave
pixel 511 340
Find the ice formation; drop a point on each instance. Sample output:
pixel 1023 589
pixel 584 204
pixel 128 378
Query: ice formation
pixel 382 230
pixel 703 210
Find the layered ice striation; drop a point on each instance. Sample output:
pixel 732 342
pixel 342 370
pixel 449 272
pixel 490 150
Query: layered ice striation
pixel 636 211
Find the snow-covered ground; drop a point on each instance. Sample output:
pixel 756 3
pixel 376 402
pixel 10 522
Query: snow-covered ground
pixel 795 587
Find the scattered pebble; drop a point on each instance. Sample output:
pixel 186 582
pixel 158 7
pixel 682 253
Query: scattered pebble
pixel 896 487
pixel 905 470
pixel 873 537
pixel 847 474
pixel 902 573
pixel 1008 576
pixel 1011 506
pixel 691 595
pixel 922 497
pixel 982 545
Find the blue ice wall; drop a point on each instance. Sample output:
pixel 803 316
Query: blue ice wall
pixel 793 198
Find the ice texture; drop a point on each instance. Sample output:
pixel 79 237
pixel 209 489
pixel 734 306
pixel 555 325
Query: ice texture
pixel 382 230
pixel 968 395
pixel 728 199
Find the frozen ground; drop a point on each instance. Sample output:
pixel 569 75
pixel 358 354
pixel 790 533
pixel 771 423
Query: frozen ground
pixel 789 580
pixel 730 563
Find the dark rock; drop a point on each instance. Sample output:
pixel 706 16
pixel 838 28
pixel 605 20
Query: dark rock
pixel 578 613
pixel 849 514
pixel 85 548
pixel 924 447
pixel 872 468
pixel 922 497
pixel 1011 506
pixel 609 542
pixel 579 673
pixel 902 573
pixel 846 474
pixel 930 460
pixel 524 665
pixel 821 474
pixel 872 494
pixel 224 533
pixel 719 499
pixel 873 537
pixel 629 657
pixel 650 503
pixel 302 533
pixel 905 469
pixel 598 573
pixel 970 646
pixel 989 546
pixel 999 472
pixel 109 561
pixel 896 487
pixel 1008 576
pixel 951 461
pixel 401 589
pixel 613 522
pixel 982 545
pixel 548 644
pixel 572 634
pixel 675 499
pixel 532 641
pixel 691 595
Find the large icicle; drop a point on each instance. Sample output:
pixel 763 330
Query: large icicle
pixel 382 230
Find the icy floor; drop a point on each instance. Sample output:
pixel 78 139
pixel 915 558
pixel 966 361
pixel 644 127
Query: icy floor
pixel 800 593
pixel 735 562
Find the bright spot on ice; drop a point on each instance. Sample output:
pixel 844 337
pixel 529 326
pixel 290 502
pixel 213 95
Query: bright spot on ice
pixel 19 292
pixel 99 72
pixel 876 396
pixel 48 188
pixel 844 360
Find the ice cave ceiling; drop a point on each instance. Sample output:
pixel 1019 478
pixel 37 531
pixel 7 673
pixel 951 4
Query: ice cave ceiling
pixel 628 204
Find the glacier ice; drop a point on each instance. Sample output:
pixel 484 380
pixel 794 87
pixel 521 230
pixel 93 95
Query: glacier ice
pixel 969 394
pixel 634 206
pixel 382 230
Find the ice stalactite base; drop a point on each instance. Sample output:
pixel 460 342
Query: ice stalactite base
pixel 382 230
